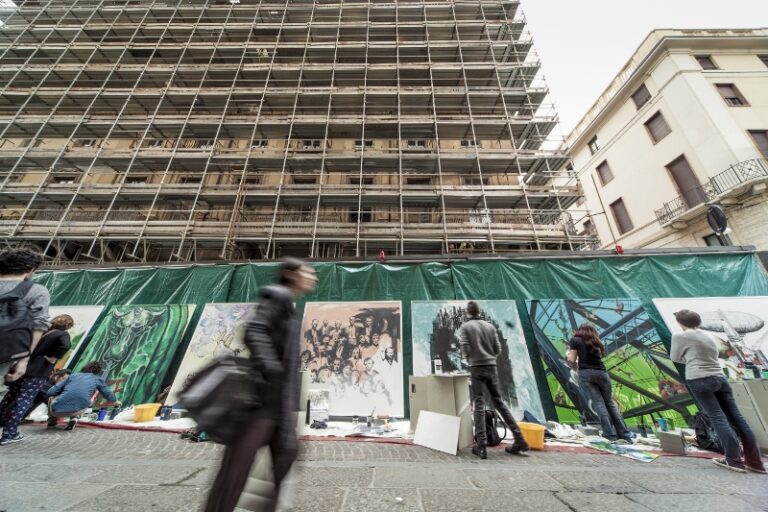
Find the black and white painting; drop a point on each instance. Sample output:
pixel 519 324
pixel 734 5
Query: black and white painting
pixel 355 350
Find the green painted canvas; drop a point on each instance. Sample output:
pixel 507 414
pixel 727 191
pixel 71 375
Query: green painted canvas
pixel 136 344
pixel 645 383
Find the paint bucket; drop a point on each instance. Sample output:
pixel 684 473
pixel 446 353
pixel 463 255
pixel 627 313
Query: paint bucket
pixel 533 435
pixel 663 424
pixel 102 414
pixel 145 412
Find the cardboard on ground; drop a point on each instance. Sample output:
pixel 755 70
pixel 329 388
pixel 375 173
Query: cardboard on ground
pixel 438 431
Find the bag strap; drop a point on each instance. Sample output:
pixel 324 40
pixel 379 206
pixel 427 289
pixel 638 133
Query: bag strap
pixel 19 292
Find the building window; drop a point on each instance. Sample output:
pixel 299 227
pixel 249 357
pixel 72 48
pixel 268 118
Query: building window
pixel 418 181
pixel 64 180
pixel 713 240
pixel 363 143
pixel 305 180
pixel 475 180
pixel 764 59
pixel 621 215
pixel 605 173
pixel 205 144
pixel 85 143
pixel 466 143
pixel 570 170
pixel 417 144
pixel 641 96
pixel 731 95
pixel 135 180
pixel 259 143
pixel 311 144
pixel 594 145
pixel 657 127
pixel 706 62
pixel 190 180
pixel 254 179
pixel 153 143
pixel 364 215
pixel 761 140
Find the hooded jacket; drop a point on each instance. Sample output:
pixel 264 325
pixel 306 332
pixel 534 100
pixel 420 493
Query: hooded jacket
pixel 272 336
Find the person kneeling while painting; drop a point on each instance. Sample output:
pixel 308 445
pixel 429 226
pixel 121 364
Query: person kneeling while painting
pixel 73 396
pixel 699 352
pixel 480 347
pixel 586 352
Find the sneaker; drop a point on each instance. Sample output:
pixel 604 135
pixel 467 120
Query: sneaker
pixel 10 440
pixel 756 469
pixel 733 466
pixel 71 424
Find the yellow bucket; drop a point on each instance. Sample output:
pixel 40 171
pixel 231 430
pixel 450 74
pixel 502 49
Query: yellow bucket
pixel 145 412
pixel 533 434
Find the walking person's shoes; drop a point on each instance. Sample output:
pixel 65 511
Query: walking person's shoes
pixel 10 440
pixel 520 445
pixel 71 424
pixel 733 466
pixel 756 469
pixel 480 450
pixel 51 423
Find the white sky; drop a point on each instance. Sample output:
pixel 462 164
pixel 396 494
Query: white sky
pixel 583 44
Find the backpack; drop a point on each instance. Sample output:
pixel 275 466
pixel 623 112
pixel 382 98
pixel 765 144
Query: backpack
pixel 492 428
pixel 15 324
pixel 706 437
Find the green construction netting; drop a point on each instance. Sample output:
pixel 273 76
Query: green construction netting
pixel 700 275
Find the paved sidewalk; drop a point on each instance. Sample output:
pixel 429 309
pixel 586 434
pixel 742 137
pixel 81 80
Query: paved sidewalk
pixel 100 470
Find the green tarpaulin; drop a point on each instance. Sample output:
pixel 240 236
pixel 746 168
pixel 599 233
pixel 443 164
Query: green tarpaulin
pixel 648 277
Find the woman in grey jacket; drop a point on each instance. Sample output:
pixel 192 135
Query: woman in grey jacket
pixel 699 350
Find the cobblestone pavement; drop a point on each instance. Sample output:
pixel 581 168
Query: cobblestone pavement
pixel 102 470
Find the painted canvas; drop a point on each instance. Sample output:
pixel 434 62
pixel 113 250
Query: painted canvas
pixel 645 383
pixel 85 317
pixel 355 349
pixel 740 323
pixel 136 344
pixel 435 326
pixel 218 334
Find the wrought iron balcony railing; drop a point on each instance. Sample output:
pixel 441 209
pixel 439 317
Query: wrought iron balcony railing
pixel 735 176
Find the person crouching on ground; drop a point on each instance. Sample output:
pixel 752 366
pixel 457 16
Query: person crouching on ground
pixel 480 347
pixel 586 352
pixel 698 350
pixel 72 396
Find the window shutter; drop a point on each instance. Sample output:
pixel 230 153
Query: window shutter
pixel 657 127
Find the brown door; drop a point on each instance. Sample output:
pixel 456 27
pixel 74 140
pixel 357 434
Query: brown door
pixel 687 182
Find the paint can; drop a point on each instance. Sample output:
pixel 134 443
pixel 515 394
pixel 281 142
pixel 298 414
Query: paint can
pixel 663 424
pixel 102 414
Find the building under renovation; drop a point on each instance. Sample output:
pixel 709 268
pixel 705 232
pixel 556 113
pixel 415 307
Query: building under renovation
pixel 185 130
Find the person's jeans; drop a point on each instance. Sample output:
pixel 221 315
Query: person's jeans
pixel 597 384
pixel 715 396
pixel 482 378
pixel 17 402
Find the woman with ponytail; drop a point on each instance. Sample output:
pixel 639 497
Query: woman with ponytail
pixel 586 352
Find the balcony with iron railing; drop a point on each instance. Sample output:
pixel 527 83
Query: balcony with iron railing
pixel 727 182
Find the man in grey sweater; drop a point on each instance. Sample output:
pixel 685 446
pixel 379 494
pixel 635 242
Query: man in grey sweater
pixel 699 351
pixel 480 347
pixel 17 267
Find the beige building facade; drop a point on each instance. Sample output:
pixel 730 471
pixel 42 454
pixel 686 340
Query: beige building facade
pixel 203 130
pixel 683 126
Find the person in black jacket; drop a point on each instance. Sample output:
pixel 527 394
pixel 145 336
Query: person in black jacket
pixel 273 337
pixel 22 393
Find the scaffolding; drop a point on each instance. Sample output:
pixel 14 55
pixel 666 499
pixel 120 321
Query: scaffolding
pixel 141 130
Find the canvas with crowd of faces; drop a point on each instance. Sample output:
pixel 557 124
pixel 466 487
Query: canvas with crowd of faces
pixel 355 350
